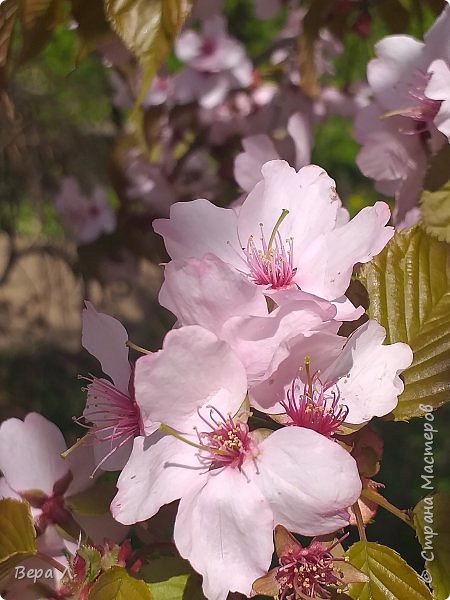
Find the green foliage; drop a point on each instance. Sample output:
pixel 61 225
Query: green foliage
pixel 432 523
pixel 389 575
pixel 148 28
pixel 17 534
pixel 93 501
pixel 435 211
pixel 408 285
pixel 117 584
pixel 172 578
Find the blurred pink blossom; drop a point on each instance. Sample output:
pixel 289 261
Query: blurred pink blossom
pixel 84 218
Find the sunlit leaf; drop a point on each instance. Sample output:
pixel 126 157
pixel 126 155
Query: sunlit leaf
pixel 17 534
pixel 432 523
pixel 435 211
pixel 389 575
pixel 148 28
pixel 117 584
pixel 409 291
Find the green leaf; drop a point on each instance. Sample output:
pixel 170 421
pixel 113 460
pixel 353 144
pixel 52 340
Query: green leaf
pixel 409 291
pixel 172 578
pixel 17 534
pixel 389 575
pixel 432 523
pixel 117 584
pixel 435 210
pixel 93 501
pixel 171 589
pixel 149 29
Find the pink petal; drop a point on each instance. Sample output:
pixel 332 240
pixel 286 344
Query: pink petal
pixel 198 227
pixel 300 129
pixel 309 196
pixel 255 340
pixel 30 453
pixel 6 491
pixel 368 373
pixel 194 369
pixel 207 292
pixel 390 74
pixel 224 528
pixel 438 88
pixel 437 39
pixel 328 273
pixel 105 338
pixel 159 471
pixel 308 480
pixel 81 462
pixel 258 149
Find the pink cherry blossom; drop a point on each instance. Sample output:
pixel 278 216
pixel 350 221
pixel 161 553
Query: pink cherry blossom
pixel 354 380
pixel 216 63
pixel 227 479
pixel 30 459
pixel 111 413
pixel 85 218
pixel 410 114
pixel 290 233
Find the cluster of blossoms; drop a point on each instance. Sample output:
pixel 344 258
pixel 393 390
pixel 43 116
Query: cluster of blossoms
pixel 259 297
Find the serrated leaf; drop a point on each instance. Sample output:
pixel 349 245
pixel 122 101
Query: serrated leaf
pixel 389 575
pixel 435 211
pixel 93 501
pixel 409 290
pixel 148 28
pixel 117 584
pixel 432 523
pixel 17 534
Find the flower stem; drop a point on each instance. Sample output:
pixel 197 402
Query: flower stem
pixel 359 522
pixel 374 496
pixel 51 561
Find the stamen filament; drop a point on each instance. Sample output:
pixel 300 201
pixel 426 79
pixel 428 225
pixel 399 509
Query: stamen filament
pixel 130 344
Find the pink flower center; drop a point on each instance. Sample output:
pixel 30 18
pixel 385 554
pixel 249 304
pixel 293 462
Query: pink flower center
pixel 208 47
pixel 303 573
pixel 272 263
pixel 227 444
pixel 423 109
pixel 113 416
pixel 53 509
pixel 317 407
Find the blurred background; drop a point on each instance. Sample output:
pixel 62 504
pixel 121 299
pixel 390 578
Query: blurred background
pixel 83 174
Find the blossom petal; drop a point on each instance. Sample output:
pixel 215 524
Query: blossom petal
pixel 368 373
pixel 194 369
pixel 258 149
pixel 328 273
pixel 391 73
pixel 438 88
pixel 105 338
pixel 160 470
pixel 30 453
pixel 308 480
pixel 224 528
pixel 207 292
pixel 198 227
pixel 309 195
